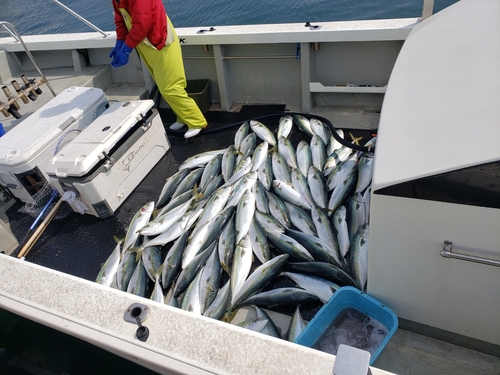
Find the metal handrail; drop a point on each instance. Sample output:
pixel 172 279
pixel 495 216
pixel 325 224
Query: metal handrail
pixel 12 31
pixel 447 252
pixel 80 18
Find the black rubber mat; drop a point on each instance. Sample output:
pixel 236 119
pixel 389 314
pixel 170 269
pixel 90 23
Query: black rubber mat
pixel 80 244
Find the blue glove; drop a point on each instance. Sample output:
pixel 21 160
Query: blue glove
pixel 118 47
pixel 121 57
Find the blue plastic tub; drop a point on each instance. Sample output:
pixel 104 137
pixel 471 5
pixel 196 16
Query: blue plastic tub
pixel 328 328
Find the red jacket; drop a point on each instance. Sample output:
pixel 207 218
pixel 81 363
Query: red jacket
pixel 148 20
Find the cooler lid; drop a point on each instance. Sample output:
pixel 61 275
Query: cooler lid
pixel 89 147
pixel 440 111
pixel 43 127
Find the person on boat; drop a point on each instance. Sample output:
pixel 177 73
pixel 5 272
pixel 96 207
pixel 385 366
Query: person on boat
pixel 145 26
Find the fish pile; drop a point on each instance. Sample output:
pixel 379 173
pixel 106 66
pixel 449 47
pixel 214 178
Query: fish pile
pixel 229 222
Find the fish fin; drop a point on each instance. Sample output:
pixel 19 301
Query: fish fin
pixel 119 240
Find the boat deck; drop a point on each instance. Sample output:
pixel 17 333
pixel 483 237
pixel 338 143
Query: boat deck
pixel 407 352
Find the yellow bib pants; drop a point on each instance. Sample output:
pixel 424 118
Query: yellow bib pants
pixel 167 69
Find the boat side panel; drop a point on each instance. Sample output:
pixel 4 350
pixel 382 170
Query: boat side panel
pixel 407 272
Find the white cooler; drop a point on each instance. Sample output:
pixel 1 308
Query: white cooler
pixel 106 162
pixel 27 148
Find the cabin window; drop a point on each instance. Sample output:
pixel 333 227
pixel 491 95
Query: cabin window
pixel 474 186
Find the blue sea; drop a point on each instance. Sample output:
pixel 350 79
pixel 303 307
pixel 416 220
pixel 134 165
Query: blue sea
pixel 31 17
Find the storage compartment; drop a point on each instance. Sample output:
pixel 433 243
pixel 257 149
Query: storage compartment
pixel 199 91
pixel 352 318
pixel 107 161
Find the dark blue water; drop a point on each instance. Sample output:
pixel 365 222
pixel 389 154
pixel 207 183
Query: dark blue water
pixel 32 17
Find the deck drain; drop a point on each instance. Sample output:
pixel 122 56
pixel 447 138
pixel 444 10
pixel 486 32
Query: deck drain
pixel 137 313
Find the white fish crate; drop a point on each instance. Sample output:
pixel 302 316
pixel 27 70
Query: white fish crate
pixel 26 149
pixel 107 161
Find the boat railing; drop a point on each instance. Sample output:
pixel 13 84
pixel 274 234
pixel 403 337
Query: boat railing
pixel 427 9
pixel 74 14
pixel 30 89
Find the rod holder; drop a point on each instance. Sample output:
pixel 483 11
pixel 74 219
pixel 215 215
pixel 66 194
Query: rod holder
pixel 11 100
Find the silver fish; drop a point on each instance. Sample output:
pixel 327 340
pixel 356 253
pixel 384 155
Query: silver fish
pixel 290 246
pixel 333 144
pixel 321 288
pixel 356 215
pixel 245 183
pixel 176 229
pixel 247 147
pixel 358 256
pixel 212 169
pixel 287 150
pixel 213 207
pixel 109 269
pixel 228 162
pixel 289 194
pixel 138 282
pixel 325 230
pixel 317 187
pixel 270 328
pixel 221 303
pixel 299 183
pixel 188 182
pixel 139 220
pixel 263 132
pixel 335 159
pixel 163 222
pixel 254 324
pixel 261 201
pixel 191 301
pixel 227 242
pixel 210 280
pixel 265 172
pixel 187 275
pixel 277 209
pixel 341 171
pixel 325 270
pixel 157 293
pixel 171 185
pixel 177 201
pixel 212 186
pixel 318 152
pixel 303 124
pixel 258 241
pixel 319 129
pixel 341 230
pixel 172 261
pixel 242 263
pixel 300 219
pixel 267 222
pixel 125 270
pixel 244 214
pixel 317 247
pixel 259 155
pixel 259 278
pixel 304 157
pixel 151 260
pixel 285 126
pixel 365 173
pixel 281 296
pixel 194 245
pixel 342 191
pixel 200 160
pixel 296 326
pixel 241 133
pixel 281 170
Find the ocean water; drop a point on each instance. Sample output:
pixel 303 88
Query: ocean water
pixel 31 17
